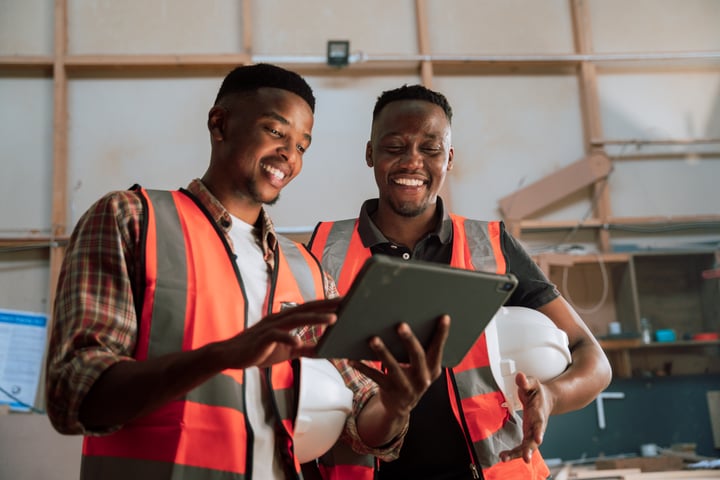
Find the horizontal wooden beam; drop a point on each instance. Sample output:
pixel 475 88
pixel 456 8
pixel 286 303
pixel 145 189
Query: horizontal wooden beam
pixel 592 223
pixel 26 62
pixel 359 61
pixel 155 61
pixel 33 241
pixel 546 191
pixel 570 259
pixel 655 141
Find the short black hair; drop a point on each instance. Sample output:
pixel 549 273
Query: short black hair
pixel 412 92
pixel 248 78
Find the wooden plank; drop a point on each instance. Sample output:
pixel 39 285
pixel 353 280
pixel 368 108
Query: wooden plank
pixel 646 464
pixel 619 344
pixel 427 73
pixel 617 473
pixel 568 260
pixel 426 66
pixel 656 220
pixel 26 61
pixel 228 60
pixel 60 150
pixel 675 475
pixel 656 141
pixel 546 191
pixel 590 108
pixel 713 399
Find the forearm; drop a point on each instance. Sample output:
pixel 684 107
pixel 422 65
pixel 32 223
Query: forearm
pixel 131 389
pixel 587 376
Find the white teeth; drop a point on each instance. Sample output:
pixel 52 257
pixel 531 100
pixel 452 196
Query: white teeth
pixel 279 174
pixel 410 182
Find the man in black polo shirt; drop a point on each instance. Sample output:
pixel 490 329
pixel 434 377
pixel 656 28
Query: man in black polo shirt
pixel 462 427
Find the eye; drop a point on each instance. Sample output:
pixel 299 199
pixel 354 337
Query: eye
pixel 274 132
pixel 432 149
pixel 300 148
pixel 394 149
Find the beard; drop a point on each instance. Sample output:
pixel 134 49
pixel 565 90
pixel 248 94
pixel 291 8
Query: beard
pixel 410 209
pixel 254 193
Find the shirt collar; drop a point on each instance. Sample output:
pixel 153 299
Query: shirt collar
pixel 371 235
pixel 221 216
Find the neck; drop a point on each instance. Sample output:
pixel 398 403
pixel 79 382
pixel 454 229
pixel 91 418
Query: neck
pixel 237 204
pixel 406 231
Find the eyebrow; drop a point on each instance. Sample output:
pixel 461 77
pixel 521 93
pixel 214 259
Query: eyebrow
pixel 426 136
pixel 285 121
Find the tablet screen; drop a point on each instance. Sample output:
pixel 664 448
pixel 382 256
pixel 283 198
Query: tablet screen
pixel 389 290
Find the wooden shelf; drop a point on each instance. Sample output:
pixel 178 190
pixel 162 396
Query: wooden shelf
pixel 611 222
pixel 610 345
pixel 631 357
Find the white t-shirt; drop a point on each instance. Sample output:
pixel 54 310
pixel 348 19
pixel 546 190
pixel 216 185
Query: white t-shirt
pixel 256 280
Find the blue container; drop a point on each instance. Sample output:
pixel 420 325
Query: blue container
pixel 665 335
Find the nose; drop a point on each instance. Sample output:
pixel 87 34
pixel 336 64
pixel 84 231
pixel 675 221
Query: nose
pixel 288 151
pixel 413 158
pixel 284 149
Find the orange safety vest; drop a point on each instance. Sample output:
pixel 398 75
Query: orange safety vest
pixel 193 295
pixel 475 397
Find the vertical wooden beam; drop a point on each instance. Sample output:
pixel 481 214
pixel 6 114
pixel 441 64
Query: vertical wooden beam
pixel 247 27
pixel 426 67
pixel 60 144
pixel 590 105
pixel 426 74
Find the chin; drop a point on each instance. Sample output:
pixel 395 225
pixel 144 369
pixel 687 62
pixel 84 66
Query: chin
pixel 272 201
pixel 410 209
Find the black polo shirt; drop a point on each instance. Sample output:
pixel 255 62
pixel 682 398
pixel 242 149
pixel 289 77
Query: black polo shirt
pixel 434 447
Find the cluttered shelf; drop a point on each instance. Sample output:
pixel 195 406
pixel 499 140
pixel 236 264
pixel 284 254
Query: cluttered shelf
pixel 630 357
pixel 612 345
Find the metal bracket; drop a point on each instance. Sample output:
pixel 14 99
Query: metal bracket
pixel 601 407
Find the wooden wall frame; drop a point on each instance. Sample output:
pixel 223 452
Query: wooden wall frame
pixel 62 65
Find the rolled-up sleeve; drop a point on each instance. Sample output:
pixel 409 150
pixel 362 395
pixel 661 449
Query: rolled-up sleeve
pixel 94 319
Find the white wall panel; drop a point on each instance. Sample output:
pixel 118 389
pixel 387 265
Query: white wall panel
pixel 655 25
pixel 649 106
pixel 133 130
pixel 158 26
pixel 282 27
pixel 24 278
pixel 25 152
pixel 499 149
pixel 26 27
pixel 474 27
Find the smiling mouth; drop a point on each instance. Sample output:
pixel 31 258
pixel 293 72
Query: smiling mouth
pixel 408 182
pixel 275 173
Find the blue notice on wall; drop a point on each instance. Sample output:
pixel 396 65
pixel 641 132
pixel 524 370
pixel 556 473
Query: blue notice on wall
pixel 22 344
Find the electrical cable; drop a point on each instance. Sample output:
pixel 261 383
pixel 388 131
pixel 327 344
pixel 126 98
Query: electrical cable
pixel 605 290
pixel 20 402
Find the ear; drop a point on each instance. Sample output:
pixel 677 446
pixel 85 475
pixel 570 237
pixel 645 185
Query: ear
pixel 451 154
pixel 368 154
pixel 216 123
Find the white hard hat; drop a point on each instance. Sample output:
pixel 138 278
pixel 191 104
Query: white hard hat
pixel 524 340
pixel 324 404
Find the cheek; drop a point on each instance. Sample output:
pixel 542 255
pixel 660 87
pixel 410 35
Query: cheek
pixel 439 166
pixel 298 168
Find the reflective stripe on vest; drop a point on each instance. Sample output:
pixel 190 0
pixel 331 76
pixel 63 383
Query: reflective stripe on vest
pixel 489 426
pixel 191 274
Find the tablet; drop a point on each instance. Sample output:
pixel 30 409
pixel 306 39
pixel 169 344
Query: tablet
pixel 389 290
